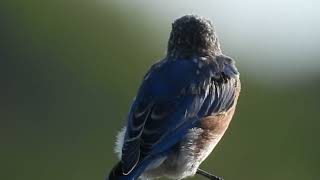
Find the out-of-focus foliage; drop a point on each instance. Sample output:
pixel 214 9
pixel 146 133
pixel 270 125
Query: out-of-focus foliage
pixel 70 69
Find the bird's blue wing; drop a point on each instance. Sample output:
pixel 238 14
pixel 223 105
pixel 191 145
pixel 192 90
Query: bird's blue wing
pixel 172 98
pixel 161 107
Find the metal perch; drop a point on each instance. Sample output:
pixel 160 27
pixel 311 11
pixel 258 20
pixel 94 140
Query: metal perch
pixel 208 175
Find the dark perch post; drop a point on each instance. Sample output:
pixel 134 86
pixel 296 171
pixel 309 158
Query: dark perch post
pixel 208 175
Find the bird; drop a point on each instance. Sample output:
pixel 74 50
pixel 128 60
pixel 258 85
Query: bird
pixel 182 108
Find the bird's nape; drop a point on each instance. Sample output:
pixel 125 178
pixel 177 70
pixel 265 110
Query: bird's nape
pixel 193 35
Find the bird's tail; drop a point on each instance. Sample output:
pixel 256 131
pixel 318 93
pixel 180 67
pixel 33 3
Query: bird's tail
pixel 116 172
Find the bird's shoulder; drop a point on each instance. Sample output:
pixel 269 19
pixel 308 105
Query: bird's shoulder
pixel 172 77
pixel 193 67
pixel 168 77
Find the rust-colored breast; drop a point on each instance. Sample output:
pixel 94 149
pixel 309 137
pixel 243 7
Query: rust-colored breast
pixel 214 126
pixel 217 123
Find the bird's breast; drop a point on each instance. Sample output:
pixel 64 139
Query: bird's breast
pixel 213 128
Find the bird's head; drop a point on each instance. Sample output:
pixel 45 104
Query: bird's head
pixel 193 36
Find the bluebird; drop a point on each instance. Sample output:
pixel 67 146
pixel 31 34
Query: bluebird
pixel 182 109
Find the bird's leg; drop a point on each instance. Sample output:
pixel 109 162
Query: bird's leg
pixel 208 175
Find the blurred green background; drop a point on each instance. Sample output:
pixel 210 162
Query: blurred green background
pixel 70 69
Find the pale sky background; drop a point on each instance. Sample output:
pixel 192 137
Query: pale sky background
pixel 272 38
